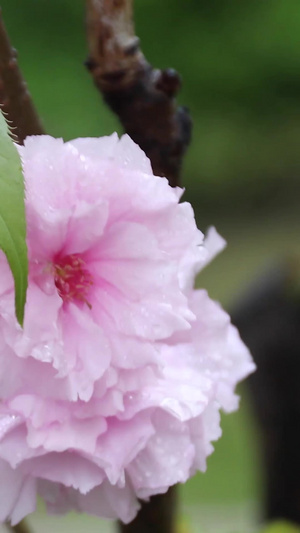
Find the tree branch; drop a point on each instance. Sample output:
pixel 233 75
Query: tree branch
pixel 158 515
pixel 144 100
pixel 141 96
pixel 19 528
pixel 15 100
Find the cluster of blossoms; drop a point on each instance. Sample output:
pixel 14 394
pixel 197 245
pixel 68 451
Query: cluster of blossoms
pixel 111 392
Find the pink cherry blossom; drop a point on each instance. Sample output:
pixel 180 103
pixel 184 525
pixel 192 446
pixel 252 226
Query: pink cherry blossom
pixel 112 390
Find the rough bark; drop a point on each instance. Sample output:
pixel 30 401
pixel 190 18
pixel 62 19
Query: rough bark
pixel 15 100
pixel 141 96
pixel 144 100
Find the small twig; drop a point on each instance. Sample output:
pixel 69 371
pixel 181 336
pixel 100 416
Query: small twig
pixel 19 528
pixel 141 96
pixel 15 100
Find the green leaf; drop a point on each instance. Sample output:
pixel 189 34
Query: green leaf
pixel 12 216
pixel 281 527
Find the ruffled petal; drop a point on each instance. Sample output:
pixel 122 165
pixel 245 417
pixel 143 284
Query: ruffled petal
pixel 111 392
pixel 86 351
pixel 166 460
pixel 17 494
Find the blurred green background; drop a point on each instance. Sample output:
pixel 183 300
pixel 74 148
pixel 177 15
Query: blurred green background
pixel 240 64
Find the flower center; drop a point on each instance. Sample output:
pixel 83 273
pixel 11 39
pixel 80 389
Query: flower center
pixel 73 281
